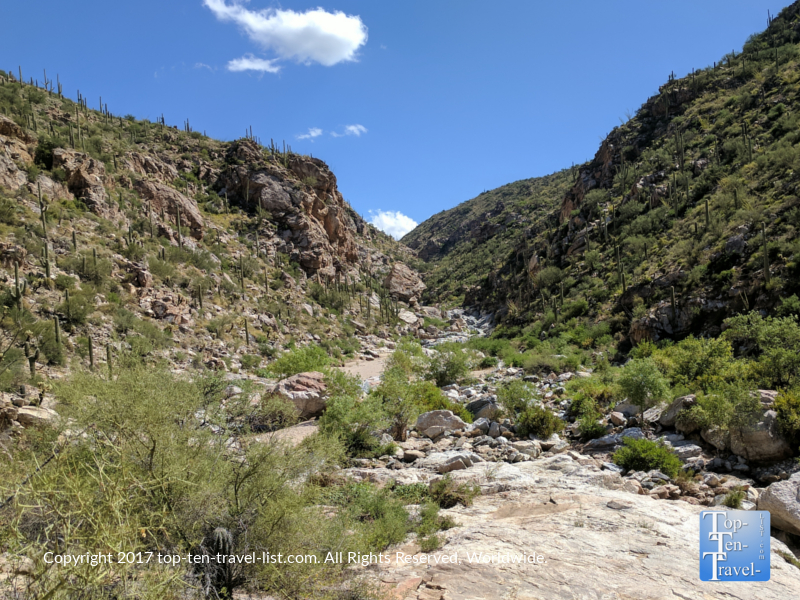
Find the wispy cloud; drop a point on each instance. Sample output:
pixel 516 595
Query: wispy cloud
pixel 355 130
pixel 312 133
pixel 314 36
pixel 394 223
pixel 248 62
pixel 200 65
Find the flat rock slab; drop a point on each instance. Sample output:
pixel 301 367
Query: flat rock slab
pixel 597 540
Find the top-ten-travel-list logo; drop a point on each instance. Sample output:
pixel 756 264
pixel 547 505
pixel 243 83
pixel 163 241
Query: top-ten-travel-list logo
pixel 734 545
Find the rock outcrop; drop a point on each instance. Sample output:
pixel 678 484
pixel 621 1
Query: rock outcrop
pixel 86 179
pixel 171 201
pixel 404 283
pixel 782 500
pixel 761 442
pixel 307 391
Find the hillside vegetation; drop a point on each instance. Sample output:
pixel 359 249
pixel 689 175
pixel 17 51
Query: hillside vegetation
pixel 687 215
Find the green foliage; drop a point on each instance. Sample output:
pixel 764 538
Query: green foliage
pixel 773 343
pixel 145 474
pixel 787 405
pixel 734 498
pixel 356 422
pixel 590 427
pixel 515 396
pixel 448 364
pixel 539 421
pixel 645 455
pixel 729 405
pixel 642 383
pixel 446 493
pixel 299 360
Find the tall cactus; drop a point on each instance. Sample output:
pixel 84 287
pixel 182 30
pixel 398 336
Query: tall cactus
pixel 766 253
pixel 674 306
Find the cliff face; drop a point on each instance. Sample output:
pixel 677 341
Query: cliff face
pixel 308 217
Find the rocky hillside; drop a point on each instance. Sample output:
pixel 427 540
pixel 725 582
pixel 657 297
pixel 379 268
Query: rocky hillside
pixel 129 233
pixel 697 193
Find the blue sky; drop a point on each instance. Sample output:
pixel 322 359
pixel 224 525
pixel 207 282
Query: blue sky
pixel 417 106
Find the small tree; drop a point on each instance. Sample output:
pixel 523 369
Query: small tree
pixel 642 383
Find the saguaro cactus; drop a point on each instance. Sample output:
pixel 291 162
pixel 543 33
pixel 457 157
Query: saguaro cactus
pixel 766 253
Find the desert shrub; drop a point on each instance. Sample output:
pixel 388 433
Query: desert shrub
pixel 146 475
pixel 356 422
pixel 299 360
pixel 787 405
pixel 539 421
pixel 729 405
pixel 9 212
pixel 734 498
pixel 446 493
pixel 488 362
pixel 642 383
pixel 448 364
pixel 378 518
pixel 431 522
pixel 408 356
pixel 773 344
pixel 548 277
pixel 429 397
pixel 699 362
pixel 590 427
pixel 250 361
pixel 646 455
pixel 581 406
pixel 515 396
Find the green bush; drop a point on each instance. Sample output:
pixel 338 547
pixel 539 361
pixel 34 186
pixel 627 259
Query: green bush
pixel 446 493
pixel 515 396
pixel 642 383
pixel 300 360
pixel 356 422
pixel 734 498
pixel 448 364
pixel 787 405
pixel 590 428
pixel 146 475
pixel 539 421
pixel 646 455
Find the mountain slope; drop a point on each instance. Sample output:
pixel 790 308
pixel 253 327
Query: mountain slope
pixel 204 252
pixel 677 197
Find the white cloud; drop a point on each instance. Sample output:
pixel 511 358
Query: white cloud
pixel 250 63
pixel 203 66
pixel 312 133
pixel 314 36
pixel 395 223
pixel 355 130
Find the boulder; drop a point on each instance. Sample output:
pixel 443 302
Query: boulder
pixel 686 450
pixel 761 442
pixel 32 416
pixel 527 447
pixel 719 438
pixel 407 317
pixel 161 196
pixel 617 418
pixel 670 416
pixel 483 408
pixel 607 442
pixel 451 460
pixel 403 283
pixel 434 423
pixel 307 391
pixel 627 409
pixel 782 500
